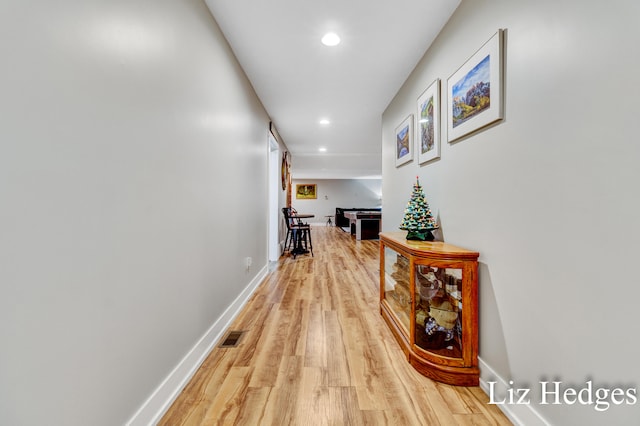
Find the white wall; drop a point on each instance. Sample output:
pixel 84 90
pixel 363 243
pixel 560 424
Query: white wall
pixel 129 138
pixel 548 197
pixel 332 193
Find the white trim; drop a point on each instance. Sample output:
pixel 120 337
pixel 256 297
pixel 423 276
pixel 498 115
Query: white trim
pixel 275 186
pixel 524 415
pixel 163 396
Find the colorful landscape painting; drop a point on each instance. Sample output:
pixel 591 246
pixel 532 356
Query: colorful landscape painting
pixel 426 120
pixel 471 94
pixel 402 138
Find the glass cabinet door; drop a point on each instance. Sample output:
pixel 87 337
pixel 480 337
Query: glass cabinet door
pixel 438 310
pixel 396 286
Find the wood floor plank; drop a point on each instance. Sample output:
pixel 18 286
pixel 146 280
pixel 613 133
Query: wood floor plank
pixel 196 399
pixel 471 420
pixel 270 348
pixel 338 373
pixel 317 352
pixel 365 367
pixel 295 338
pixel 480 401
pixel 454 400
pixel 315 355
pixel 253 407
pixel 285 395
pixel 344 410
pixel 312 397
pixel 225 407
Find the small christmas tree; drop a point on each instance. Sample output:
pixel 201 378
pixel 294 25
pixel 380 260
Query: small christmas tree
pixel 418 220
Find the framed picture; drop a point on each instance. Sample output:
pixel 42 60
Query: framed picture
pixel 306 191
pixel 404 146
pixel 474 92
pixel 428 123
pixel 284 172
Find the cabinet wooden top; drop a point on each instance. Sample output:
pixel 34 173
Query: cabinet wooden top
pixel 418 248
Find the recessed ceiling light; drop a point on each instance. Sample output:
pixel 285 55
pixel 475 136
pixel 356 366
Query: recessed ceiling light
pixel 324 121
pixel 322 149
pixel 331 39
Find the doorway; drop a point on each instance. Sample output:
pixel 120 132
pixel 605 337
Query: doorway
pixel 274 192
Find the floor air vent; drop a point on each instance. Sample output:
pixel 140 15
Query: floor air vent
pixel 232 339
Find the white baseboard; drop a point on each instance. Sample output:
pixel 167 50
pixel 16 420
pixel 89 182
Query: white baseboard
pixel 520 415
pixel 163 396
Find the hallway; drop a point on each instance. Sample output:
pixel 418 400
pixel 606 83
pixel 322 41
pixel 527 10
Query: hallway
pixel 316 352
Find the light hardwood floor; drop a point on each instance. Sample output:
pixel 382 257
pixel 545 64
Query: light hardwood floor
pixel 316 352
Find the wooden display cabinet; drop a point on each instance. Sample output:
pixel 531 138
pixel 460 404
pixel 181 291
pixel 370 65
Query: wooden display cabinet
pixel 429 299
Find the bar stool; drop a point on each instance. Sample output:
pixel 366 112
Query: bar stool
pixel 298 234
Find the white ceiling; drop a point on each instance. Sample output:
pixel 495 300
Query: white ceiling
pixel 300 81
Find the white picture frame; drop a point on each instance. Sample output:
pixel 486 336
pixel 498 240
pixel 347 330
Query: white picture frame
pixel 404 141
pixel 475 91
pixel 428 123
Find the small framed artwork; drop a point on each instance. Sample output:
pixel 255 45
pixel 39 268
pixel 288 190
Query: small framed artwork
pixel 284 172
pixel 428 123
pixel 306 191
pixel 474 92
pixel 404 146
